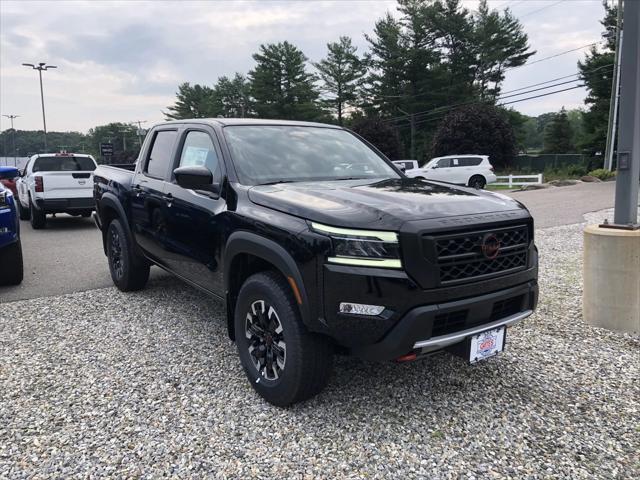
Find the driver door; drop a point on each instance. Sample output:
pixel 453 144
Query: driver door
pixel 194 222
pixel 441 171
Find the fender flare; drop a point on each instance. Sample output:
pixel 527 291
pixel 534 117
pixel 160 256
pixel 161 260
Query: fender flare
pixel 268 250
pixel 108 199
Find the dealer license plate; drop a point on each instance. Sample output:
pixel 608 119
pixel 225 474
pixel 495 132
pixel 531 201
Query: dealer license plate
pixel 486 344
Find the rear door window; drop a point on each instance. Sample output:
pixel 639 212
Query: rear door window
pixel 63 164
pixel 161 154
pixel 470 162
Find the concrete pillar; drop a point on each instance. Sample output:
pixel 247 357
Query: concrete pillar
pixel 611 296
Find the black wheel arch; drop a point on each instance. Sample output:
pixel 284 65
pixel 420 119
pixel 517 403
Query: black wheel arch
pixel 250 253
pixel 108 208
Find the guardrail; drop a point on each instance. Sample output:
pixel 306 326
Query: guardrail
pixel 534 180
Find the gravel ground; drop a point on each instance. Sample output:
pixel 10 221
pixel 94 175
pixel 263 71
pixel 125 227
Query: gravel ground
pixel 102 383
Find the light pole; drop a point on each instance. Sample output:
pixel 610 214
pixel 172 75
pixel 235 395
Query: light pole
pixel 40 67
pixel 139 132
pixel 13 137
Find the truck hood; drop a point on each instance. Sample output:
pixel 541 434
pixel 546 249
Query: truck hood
pixel 383 205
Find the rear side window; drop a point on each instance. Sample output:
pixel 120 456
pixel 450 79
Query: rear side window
pixel 198 151
pixel 470 162
pixel 63 164
pixel 160 156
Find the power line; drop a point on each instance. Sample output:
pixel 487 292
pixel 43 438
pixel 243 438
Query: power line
pixel 540 9
pixel 559 78
pixel 556 55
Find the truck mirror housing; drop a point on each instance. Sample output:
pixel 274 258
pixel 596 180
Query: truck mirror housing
pixel 195 178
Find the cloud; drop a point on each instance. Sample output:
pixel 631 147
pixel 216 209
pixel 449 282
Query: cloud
pixel 122 61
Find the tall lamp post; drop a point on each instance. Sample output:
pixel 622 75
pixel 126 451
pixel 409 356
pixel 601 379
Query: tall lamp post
pixel 13 137
pixel 42 66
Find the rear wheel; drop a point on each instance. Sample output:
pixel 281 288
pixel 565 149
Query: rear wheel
pixel 11 261
pixel 284 362
pixel 477 181
pixel 38 217
pixel 129 271
pixel 24 213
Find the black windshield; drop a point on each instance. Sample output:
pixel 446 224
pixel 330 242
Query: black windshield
pixel 270 154
pixel 64 164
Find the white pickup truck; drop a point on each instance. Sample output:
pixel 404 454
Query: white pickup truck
pixel 56 183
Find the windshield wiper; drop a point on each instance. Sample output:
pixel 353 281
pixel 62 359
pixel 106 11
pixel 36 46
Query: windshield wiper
pixel 275 182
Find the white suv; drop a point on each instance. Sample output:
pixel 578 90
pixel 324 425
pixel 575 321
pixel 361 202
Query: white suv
pixel 56 183
pixel 472 170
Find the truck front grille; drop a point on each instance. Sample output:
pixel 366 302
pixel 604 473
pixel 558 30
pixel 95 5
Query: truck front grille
pixel 474 255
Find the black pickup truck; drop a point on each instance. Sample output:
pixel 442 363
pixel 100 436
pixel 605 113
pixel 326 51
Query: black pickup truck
pixel 317 244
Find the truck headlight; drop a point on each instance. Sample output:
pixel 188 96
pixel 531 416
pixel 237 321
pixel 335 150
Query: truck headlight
pixel 364 248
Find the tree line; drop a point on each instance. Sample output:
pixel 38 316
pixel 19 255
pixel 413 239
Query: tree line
pixel 430 76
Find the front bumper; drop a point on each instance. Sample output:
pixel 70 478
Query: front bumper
pixel 433 327
pixel 61 205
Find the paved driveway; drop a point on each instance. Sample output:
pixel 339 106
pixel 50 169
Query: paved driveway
pixel 67 256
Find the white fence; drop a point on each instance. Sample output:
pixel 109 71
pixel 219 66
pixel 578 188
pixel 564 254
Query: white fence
pixel 529 180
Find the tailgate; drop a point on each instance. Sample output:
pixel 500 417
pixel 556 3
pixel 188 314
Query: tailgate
pixel 68 184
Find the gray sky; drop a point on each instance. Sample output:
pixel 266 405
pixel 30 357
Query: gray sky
pixel 123 60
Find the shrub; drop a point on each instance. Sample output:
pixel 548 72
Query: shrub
pixel 602 174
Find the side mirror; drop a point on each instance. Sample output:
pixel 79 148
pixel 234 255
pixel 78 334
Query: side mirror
pixel 435 165
pixel 402 168
pixel 196 178
pixel 8 173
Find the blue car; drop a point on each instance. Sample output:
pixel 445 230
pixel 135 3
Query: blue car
pixel 10 248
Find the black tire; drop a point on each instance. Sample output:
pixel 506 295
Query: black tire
pixel 129 271
pixel 11 261
pixel 478 182
pixel 38 217
pixel 302 365
pixel 24 213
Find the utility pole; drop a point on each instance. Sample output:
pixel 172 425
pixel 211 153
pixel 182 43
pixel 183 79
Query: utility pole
pixel 628 171
pixel 42 66
pixel 615 94
pixel 13 137
pixel 139 122
pixel 412 122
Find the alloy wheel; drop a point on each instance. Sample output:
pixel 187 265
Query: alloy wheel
pixel 116 253
pixel 266 345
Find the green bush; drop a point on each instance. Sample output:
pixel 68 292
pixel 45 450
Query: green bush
pixel 602 174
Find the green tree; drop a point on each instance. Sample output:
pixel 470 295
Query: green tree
pixel 30 142
pixel 558 135
pixel 596 72
pixel 123 136
pixel 232 97
pixel 341 73
pixel 381 134
pixel 281 87
pixel 195 101
pixel 476 129
pixel 500 44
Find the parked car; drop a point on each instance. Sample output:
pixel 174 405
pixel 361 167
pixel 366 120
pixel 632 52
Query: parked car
pixel 405 165
pixel 472 170
pixel 56 183
pixel 9 183
pixel 314 254
pixel 11 271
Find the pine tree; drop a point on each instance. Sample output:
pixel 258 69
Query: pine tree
pixel 500 44
pixel 558 136
pixel 280 85
pixel 195 101
pixel 233 96
pixel 342 73
pixel 596 72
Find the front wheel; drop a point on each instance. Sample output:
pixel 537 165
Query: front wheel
pixel 284 362
pixel 11 261
pixel 128 271
pixel 478 182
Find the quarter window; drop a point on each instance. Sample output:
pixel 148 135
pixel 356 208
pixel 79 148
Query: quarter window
pixel 198 151
pixel 470 162
pixel 160 156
